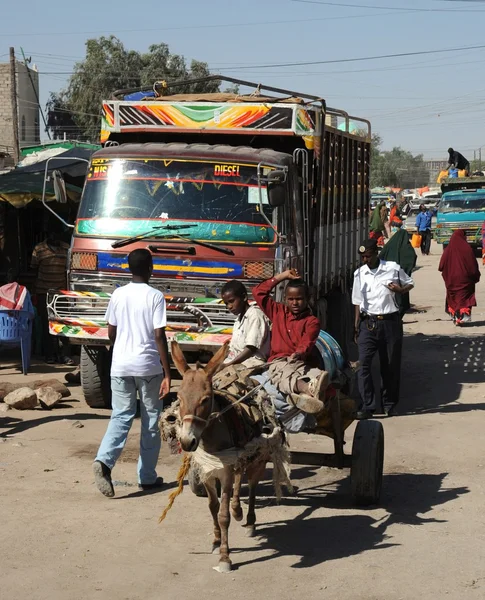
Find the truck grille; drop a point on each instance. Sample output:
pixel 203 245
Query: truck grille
pixel 88 309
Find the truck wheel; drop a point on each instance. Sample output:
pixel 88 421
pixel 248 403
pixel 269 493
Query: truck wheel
pixel 95 382
pixel 367 463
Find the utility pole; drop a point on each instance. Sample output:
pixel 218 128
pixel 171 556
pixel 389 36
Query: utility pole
pixel 480 159
pixel 15 113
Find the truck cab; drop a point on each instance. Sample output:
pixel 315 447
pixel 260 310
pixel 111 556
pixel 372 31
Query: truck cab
pixel 462 206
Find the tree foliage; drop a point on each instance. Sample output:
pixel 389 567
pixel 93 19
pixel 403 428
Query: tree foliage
pixel 396 167
pixel 107 67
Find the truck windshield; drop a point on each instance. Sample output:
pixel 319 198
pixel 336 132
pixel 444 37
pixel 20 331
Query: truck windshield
pixel 465 203
pixel 220 200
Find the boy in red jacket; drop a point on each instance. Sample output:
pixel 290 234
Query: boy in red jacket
pixel 293 335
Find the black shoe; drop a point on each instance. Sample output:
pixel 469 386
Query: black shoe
pixel 151 486
pixel 390 411
pixel 361 415
pixel 102 478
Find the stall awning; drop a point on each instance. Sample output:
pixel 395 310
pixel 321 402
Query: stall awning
pixel 25 183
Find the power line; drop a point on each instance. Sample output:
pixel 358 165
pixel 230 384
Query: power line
pixel 208 26
pixel 393 8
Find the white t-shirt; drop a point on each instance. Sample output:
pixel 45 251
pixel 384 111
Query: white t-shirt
pixel 370 290
pixel 136 310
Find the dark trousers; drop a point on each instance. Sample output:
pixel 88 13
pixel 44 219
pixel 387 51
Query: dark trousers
pixel 425 241
pixel 384 337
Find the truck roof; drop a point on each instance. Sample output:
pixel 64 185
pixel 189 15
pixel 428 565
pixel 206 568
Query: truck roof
pixel 215 152
pixel 285 114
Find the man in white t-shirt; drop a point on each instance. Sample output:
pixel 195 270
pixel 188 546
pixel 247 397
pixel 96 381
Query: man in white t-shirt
pixel 136 319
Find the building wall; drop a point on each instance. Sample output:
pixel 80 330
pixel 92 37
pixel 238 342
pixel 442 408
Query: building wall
pixel 28 110
pixel 435 166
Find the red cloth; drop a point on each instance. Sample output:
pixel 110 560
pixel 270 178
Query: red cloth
pixel 289 333
pixel 394 217
pixel 459 269
pixel 12 296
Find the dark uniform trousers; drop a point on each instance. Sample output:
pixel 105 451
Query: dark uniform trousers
pixel 385 337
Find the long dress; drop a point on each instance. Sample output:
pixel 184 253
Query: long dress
pixel 399 250
pixel 459 269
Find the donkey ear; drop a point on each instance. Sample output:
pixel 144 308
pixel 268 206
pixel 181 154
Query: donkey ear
pixel 178 358
pixel 217 360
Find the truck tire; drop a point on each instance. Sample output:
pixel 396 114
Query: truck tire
pixel 367 463
pixel 95 382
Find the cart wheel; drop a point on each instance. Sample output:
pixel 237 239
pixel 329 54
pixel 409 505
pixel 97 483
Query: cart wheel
pixel 367 463
pixel 195 486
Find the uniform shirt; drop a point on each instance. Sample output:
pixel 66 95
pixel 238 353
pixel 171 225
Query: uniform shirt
pixel 290 333
pixel 51 262
pixel 370 290
pixel 250 329
pixel 136 310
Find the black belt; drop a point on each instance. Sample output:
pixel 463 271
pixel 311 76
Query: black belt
pixel 388 317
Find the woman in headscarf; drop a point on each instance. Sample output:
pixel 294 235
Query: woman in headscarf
pixel 459 269
pixel 376 225
pixel 399 250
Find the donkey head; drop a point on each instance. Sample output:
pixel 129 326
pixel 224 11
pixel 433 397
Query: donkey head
pixel 195 395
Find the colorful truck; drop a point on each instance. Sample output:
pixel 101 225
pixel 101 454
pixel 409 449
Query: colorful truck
pixel 462 206
pixel 216 186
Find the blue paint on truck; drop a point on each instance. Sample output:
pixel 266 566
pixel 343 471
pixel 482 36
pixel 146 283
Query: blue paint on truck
pixel 461 209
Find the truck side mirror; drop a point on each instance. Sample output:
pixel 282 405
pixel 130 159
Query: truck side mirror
pixel 277 188
pixel 59 187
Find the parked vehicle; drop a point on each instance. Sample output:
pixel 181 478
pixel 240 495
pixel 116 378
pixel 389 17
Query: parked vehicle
pixel 462 206
pixel 216 187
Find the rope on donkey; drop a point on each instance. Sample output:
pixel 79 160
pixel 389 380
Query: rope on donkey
pixel 181 475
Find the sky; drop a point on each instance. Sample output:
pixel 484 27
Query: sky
pixel 421 102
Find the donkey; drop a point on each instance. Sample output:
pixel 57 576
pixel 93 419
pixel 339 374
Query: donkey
pixel 199 429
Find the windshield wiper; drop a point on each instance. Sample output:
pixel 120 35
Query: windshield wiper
pixel 205 244
pixel 135 238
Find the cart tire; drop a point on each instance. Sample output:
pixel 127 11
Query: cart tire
pixel 95 382
pixel 195 486
pixel 367 463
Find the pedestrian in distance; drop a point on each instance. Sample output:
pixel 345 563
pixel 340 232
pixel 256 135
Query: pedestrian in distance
pixel 423 224
pixel 376 224
pixel 459 269
pixel 136 319
pixel 378 327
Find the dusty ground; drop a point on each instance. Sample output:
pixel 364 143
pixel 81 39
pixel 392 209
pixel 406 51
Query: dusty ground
pixel 61 539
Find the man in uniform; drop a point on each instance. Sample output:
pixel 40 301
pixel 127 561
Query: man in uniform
pixel 378 326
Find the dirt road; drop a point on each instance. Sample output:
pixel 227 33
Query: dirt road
pixel 61 539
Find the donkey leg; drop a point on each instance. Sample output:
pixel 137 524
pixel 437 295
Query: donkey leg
pixel 227 480
pixel 211 488
pixel 236 509
pixel 255 474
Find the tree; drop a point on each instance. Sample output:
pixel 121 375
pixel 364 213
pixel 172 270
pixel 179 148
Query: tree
pixel 396 168
pixel 108 67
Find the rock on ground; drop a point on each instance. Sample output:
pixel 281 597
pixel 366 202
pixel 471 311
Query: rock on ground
pixel 48 397
pixel 6 387
pixel 23 398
